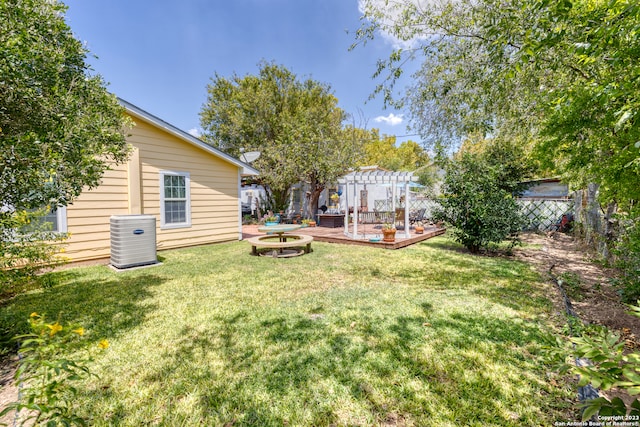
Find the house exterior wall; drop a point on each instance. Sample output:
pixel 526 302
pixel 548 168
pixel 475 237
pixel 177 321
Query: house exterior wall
pixel 88 216
pixel 134 188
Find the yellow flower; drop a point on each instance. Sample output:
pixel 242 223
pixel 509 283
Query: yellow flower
pixel 55 328
pixel 103 344
pixel 34 314
pixel 79 331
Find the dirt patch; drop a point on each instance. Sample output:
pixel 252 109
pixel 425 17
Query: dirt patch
pixel 8 389
pixel 588 284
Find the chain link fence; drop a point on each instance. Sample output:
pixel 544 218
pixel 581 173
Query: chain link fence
pixel 414 206
pixel 540 214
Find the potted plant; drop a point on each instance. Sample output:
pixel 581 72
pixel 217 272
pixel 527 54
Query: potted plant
pixel 271 220
pixel 419 227
pixel 388 232
pixel 335 199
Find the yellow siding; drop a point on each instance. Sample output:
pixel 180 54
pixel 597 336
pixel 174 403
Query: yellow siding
pixel 213 189
pixel 88 216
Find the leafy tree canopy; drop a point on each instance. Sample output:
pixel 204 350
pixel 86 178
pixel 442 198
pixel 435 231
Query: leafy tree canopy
pixel 383 152
pixel 59 130
pixel 479 202
pixel 295 124
pixel 513 162
pixel 561 77
pixel 58 124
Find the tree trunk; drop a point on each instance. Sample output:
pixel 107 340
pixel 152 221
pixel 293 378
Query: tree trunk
pixel 609 228
pixel 315 190
pixel 313 205
pixel 277 200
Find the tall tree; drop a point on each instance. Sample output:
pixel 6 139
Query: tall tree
pixel 295 124
pixel 59 127
pixel 384 152
pixel 561 74
pixel 58 124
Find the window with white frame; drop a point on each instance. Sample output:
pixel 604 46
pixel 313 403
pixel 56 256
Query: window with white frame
pixel 58 219
pixel 175 201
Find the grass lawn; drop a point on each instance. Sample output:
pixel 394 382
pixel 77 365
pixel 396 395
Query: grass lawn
pixel 426 336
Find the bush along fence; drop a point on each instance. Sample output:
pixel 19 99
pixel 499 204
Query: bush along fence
pixel 595 225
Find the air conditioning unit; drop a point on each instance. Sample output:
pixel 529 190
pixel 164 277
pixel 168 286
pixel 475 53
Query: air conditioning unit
pixel 133 240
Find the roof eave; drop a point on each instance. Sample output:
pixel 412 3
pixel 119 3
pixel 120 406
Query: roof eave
pixel 246 170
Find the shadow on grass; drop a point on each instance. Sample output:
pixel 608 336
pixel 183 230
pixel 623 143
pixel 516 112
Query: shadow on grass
pixel 105 306
pixel 446 244
pixel 301 370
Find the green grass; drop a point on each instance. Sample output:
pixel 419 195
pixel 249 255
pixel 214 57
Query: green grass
pixel 427 336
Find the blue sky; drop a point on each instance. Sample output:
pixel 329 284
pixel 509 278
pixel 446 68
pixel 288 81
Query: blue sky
pixel 161 55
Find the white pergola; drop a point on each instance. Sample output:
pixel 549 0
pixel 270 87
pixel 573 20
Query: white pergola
pixel 354 180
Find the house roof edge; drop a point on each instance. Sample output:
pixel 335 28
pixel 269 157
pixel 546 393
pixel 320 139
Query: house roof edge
pixel 168 127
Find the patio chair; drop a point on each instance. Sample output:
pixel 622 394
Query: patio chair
pixel 417 215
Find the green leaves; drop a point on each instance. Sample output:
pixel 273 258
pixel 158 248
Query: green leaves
pixel 477 200
pixel 295 124
pixel 603 407
pixel 45 377
pixel 610 367
pixel 559 75
pixel 56 118
pixel 59 129
pixel 25 235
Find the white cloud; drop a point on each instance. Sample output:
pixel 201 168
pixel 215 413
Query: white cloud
pixel 391 119
pixel 194 132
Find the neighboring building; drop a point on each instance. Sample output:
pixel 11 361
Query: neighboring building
pixel 546 188
pixel 544 203
pixel 191 188
pixel 252 197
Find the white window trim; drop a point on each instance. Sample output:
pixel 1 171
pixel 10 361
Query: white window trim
pixel 187 183
pixel 61 217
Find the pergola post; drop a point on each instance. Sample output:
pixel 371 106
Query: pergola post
pixel 375 177
pixel 406 210
pixel 355 209
pixel 393 199
pixel 346 211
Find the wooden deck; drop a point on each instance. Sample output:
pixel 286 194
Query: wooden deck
pixel 336 235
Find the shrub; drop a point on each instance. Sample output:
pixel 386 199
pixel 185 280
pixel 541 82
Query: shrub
pixel 27 247
pixel 611 366
pixel 45 377
pixel 476 201
pixel 602 361
pixel 627 253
